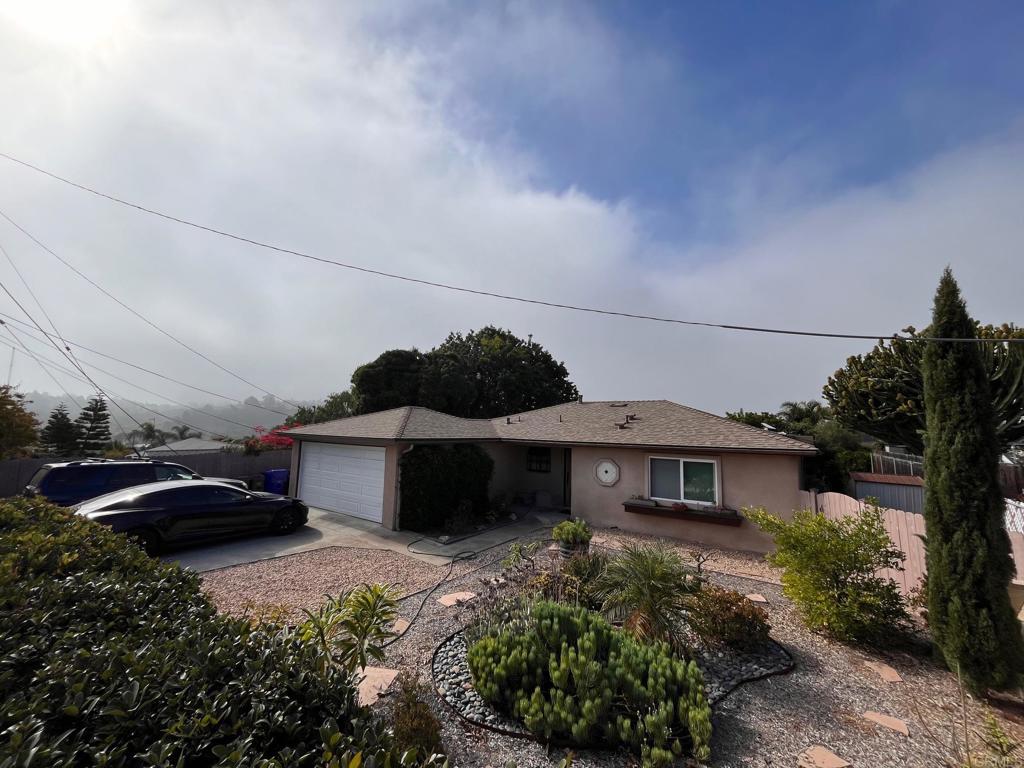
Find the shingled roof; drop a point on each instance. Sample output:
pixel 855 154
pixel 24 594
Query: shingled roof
pixel 640 423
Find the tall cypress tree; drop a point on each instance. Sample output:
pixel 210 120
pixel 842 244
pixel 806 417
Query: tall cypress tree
pixel 968 553
pixel 94 427
pixel 60 435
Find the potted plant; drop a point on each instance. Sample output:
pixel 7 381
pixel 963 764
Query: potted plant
pixel 573 537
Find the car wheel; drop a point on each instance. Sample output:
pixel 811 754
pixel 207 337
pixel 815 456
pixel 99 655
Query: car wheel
pixel 146 539
pixel 286 521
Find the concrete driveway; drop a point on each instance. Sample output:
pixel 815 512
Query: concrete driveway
pixel 330 529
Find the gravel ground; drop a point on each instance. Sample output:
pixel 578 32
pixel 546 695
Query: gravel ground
pixel 761 724
pixel 293 582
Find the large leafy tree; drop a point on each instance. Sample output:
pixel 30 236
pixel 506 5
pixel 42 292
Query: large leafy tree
pixel 17 423
pixel 337 406
pixel 510 375
pixel 94 427
pixel 840 449
pixel 968 552
pixel 882 392
pixel 60 436
pixel 481 374
pixel 390 381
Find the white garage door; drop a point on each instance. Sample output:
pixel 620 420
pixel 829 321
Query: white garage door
pixel 343 478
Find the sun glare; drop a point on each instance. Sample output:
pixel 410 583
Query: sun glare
pixel 65 22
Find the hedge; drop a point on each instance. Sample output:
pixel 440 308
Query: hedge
pixel 108 657
pixel 441 483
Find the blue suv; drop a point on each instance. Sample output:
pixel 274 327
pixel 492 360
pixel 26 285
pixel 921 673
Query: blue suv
pixel 72 482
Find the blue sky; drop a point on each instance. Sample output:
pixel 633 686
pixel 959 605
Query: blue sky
pixel 687 101
pixel 811 166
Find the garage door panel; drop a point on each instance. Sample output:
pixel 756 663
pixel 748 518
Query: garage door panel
pixel 343 478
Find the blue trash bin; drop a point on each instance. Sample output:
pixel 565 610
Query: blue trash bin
pixel 275 481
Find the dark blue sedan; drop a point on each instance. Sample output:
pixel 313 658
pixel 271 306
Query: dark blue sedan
pixel 172 512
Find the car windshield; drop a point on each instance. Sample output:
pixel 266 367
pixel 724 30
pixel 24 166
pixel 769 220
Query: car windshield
pixel 37 478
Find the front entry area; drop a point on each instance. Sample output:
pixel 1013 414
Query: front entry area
pixel 343 478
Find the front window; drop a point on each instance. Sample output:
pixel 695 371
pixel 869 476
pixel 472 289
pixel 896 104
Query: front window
pixel 693 481
pixel 538 459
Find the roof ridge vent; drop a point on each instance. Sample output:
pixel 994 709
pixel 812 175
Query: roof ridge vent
pixel 617 405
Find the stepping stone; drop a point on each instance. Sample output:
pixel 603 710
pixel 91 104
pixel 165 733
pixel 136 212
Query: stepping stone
pixel 819 757
pixel 889 722
pixel 400 626
pixel 455 598
pixel 756 598
pixel 375 681
pixel 884 671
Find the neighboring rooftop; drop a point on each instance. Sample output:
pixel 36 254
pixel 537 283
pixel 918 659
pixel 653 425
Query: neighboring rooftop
pixel 193 445
pixel 874 477
pixel 647 423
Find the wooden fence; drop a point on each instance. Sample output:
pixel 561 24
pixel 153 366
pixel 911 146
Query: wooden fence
pixel 905 529
pixel 15 473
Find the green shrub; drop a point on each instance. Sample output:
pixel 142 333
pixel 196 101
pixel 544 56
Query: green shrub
pixel 415 725
pixel 725 617
pixel 580 574
pixel 441 482
pixel 112 658
pixel 648 587
pixel 830 571
pixel 568 675
pixel 572 533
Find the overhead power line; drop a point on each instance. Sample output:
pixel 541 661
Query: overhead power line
pixel 75 363
pixel 169 399
pixel 60 387
pixel 152 372
pixel 138 314
pixel 49 363
pixel 476 291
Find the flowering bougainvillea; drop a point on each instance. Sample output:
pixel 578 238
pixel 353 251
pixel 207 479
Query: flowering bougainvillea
pixel 269 439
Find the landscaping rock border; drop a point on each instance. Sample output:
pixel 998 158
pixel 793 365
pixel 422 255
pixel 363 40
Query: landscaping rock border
pixel 724 672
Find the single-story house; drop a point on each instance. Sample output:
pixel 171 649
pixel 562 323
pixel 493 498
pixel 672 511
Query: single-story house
pixel 650 466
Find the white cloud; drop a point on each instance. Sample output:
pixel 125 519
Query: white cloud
pixel 313 132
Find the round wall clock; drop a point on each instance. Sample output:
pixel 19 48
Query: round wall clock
pixel 607 472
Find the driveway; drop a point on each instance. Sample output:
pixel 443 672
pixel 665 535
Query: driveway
pixel 330 529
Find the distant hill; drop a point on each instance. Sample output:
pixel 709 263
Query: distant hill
pixel 201 415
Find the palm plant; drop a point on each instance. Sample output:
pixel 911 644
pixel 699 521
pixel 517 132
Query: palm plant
pixel 648 588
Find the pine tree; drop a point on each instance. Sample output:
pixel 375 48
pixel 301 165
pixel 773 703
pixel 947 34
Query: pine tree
pixel 968 553
pixel 94 427
pixel 60 435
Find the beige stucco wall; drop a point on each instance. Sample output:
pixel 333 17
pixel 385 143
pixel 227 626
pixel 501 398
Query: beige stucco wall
pixel 511 476
pixel 765 480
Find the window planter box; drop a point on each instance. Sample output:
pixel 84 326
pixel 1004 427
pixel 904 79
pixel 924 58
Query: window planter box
pixel 713 516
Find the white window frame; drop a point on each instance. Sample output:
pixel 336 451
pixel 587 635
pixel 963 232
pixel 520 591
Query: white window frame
pixel 682 487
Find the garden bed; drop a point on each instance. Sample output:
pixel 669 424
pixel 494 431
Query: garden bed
pixel 765 722
pixel 724 671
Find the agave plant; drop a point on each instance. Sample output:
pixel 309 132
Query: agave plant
pixel 648 588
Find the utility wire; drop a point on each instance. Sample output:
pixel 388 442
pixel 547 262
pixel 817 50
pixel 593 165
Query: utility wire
pixel 108 392
pixel 138 314
pixel 75 363
pixel 13 319
pixel 475 291
pixel 66 349
pixel 47 371
pixel 165 397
